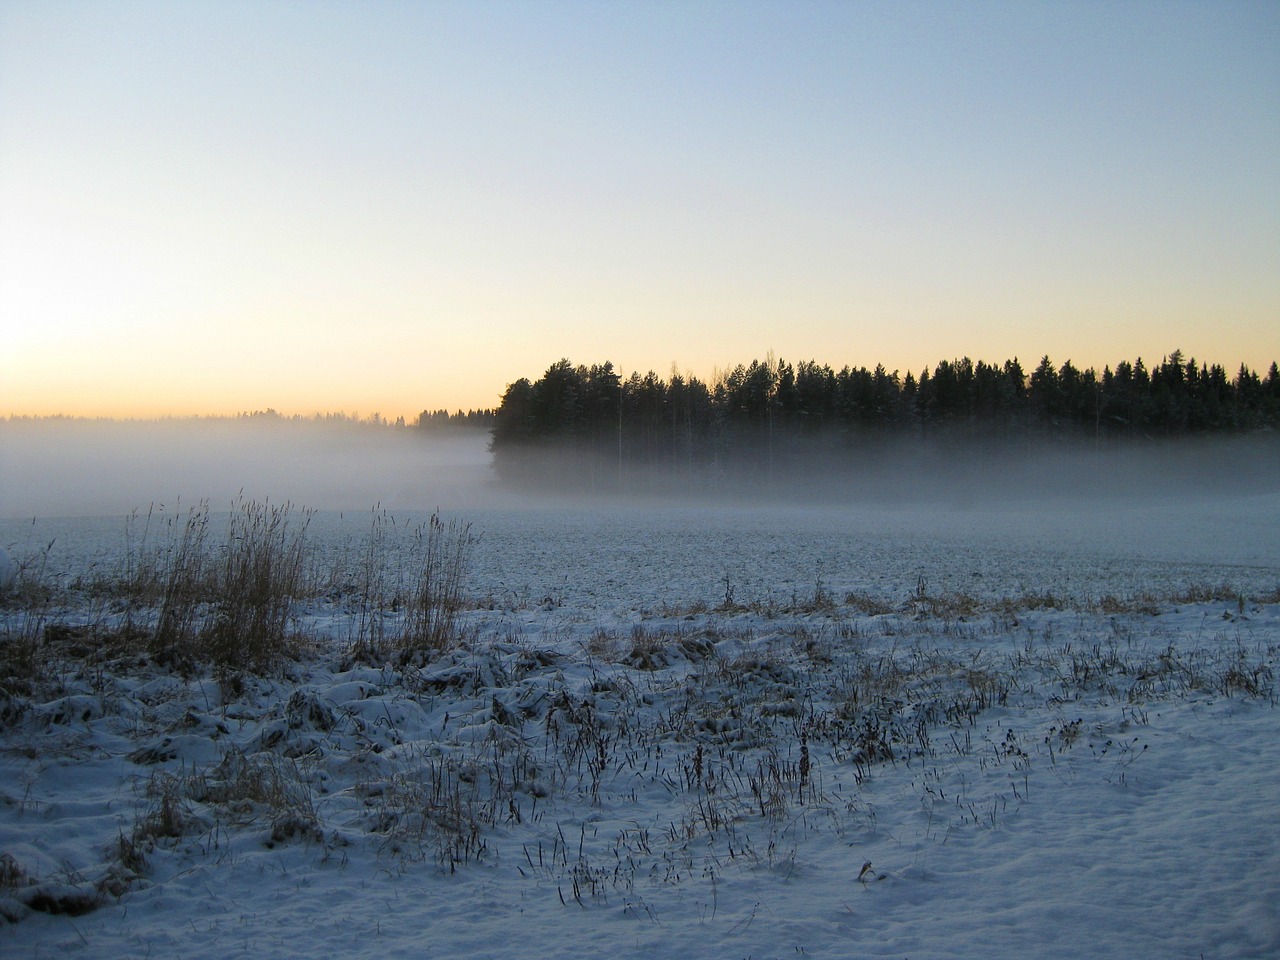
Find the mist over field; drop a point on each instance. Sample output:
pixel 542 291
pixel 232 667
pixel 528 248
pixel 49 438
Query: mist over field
pixel 57 468
pixel 66 468
pixel 904 471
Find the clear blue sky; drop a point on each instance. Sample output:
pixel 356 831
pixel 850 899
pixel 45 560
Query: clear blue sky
pixel 213 207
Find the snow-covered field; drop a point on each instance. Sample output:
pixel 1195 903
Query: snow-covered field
pixel 908 731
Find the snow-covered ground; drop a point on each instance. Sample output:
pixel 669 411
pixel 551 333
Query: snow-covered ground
pixel 908 731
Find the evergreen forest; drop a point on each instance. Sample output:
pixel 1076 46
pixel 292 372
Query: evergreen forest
pixel 772 421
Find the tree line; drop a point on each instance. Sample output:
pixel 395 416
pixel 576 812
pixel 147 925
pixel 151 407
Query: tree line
pixel 435 420
pixel 427 420
pixel 772 417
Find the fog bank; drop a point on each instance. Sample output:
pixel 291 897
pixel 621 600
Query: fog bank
pixel 59 468
pixel 69 468
pixel 949 470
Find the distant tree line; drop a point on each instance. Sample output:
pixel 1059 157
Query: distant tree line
pixel 458 420
pixel 430 420
pixel 773 419
pixel 269 416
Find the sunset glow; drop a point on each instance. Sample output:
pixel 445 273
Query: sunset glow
pixel 216 207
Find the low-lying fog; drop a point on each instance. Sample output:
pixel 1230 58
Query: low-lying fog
pixel 61 468
pixel 1210 503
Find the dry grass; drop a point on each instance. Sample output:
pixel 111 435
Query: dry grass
pixel 259 577
pixel 185 596
pixel 434 599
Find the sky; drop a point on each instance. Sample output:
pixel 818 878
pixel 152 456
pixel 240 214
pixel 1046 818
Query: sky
pixel 215 207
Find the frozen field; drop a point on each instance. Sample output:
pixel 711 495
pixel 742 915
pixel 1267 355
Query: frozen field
pixel 930 731
pixel 607 559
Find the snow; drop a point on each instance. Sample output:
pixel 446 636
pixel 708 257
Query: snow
pixel 1049 734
